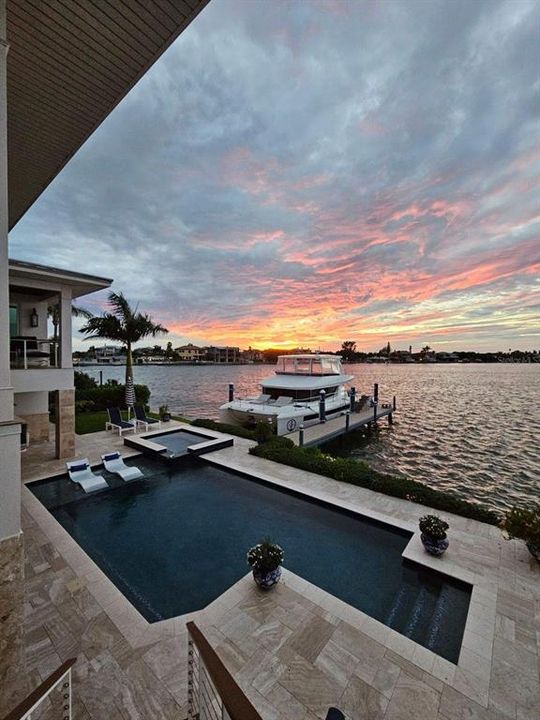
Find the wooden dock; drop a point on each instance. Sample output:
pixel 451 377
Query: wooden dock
pixel 323 432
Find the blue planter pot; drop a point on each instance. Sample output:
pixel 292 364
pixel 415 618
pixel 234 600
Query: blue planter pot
pixel 267 580
pixel 433 546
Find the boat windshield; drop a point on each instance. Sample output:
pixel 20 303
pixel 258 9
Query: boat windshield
pixel 309 365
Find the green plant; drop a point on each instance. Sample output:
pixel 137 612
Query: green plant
pixel 524 524
pixel 263 431
pixel 265 557
pixel 283 450
pixel 433 526
pixel 237 430
pixel 163 411
pixel 82 381
pixel 109 395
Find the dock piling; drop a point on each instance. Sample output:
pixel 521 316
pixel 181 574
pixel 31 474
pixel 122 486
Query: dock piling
pixel 301 435
pixel 353 398
pixel 347 420
pixel 322 407
pixel 394 403
pixel 231 392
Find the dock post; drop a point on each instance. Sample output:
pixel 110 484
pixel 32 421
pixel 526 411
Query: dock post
pixel 231 392
pixel 390 419
pixel 376 392
pixel 347 420
pixel 301 435
pixel 394 403
pixel 353 398
pixel 322 407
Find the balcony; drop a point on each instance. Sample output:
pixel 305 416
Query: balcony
pixel 27 352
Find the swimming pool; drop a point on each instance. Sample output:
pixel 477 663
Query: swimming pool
pixel 177 540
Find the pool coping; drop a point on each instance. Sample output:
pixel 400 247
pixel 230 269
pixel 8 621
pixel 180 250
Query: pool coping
pixel 471 675
pixel 208 443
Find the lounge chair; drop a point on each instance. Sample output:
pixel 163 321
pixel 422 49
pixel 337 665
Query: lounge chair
pixel 261 400
pixel 283 400
pixel 79 471
pixel 141 417
pixel 115 421
pixel 114 463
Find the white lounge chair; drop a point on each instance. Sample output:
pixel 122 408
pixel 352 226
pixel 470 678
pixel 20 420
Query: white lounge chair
pixel 261 400
pixel 79 471
pixel 283 400
pixel 114 463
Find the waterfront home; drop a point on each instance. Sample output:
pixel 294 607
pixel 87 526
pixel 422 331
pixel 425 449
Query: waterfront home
pixel 39 364
pixel 190 353
pixel 288 654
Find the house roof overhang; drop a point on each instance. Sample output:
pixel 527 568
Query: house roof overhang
pixel 70 62
pixel 42 280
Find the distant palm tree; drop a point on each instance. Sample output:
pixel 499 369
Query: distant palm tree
pixel 123 324
pixel 53 311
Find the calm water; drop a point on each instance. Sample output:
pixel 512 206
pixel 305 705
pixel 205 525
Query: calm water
pixel 177 540
pixel 470 428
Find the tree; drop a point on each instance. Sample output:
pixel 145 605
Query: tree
pixel 123 324
pixel 53 311
pixel 348 350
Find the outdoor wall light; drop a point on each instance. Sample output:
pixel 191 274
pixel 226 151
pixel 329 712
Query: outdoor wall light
pixel 34 318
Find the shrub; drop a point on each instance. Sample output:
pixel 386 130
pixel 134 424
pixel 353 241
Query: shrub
pixel 263 431
pixel 109 395
pixel 313 460
pixel 524 524
pixel 82 381
pixel 225 428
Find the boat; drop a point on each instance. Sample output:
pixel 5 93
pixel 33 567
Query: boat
pixel 292 396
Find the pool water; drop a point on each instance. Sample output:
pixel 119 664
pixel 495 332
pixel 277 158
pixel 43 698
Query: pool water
pixel 178 441
pixel 177 540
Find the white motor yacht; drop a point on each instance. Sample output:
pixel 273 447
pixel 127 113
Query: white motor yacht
pixel 293 394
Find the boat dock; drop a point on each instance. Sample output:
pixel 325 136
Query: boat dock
pixel 322 432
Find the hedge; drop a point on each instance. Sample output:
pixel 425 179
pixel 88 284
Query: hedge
pixel 313 460
pixel 101 397
pixel 225 428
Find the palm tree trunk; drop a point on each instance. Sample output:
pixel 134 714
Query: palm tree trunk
pixel 129 362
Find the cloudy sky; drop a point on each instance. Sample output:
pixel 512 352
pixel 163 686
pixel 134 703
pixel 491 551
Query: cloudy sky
pixel 308 172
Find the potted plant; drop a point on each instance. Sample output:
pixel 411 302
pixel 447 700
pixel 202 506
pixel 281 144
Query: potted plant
pixel 265 560
pixel 164 414
pixel 525 525
pixel 433 535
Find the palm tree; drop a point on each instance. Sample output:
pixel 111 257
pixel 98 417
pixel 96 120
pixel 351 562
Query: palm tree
pixel 123 324
pixel 53 311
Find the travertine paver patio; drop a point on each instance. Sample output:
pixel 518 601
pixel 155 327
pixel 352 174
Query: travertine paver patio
pixel 295 650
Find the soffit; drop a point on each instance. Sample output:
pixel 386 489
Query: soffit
pixel 70 62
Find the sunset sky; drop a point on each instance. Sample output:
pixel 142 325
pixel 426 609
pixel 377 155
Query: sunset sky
pixel 308 172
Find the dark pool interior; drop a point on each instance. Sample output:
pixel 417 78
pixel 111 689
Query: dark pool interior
pixel 176 540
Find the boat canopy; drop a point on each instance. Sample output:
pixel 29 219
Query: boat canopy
pixel 308 365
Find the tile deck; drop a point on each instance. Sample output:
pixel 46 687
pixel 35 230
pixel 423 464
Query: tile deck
pixel 295 650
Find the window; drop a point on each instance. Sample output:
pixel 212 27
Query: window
pixel 13 320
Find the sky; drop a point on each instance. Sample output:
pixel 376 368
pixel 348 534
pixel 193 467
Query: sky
pixel 307 172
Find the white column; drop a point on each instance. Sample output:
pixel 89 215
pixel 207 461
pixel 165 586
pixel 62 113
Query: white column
pixel 66 357
pixel 10 456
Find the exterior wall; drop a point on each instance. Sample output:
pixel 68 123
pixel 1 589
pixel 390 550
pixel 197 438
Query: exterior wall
pixel 10 456
pixel 34 409
pixel 39 379
pixel 25 306
pixel 65 423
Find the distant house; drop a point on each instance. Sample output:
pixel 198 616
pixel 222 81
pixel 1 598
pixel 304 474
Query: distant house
pixel 190 353
pixel 223 354
pixel 252 356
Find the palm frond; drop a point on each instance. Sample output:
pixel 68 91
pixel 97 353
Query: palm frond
pixel 120 305
pixel 79 312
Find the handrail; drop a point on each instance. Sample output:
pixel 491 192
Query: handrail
pixel 234 700
pixel 36 695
